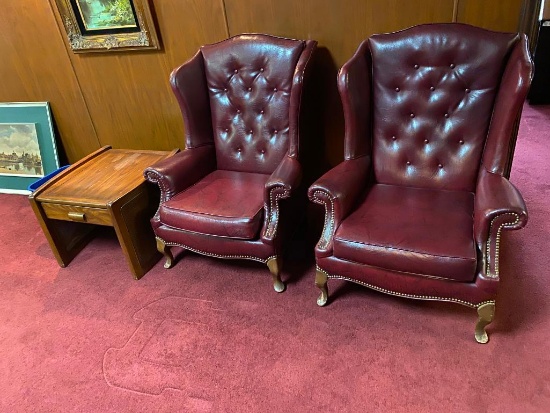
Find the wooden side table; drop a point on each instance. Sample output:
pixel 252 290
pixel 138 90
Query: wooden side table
pixel 105 188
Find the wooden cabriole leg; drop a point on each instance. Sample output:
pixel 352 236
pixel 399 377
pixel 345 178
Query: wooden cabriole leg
pixel 321 281
pixel 275 264
pixel 486 312
pixel 165 250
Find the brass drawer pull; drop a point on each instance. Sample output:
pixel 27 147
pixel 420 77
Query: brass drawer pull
pixel 77 216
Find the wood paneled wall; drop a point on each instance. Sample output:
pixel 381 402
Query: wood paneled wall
pixel 337 26
pixel 123 99
pixel 502 15
pixel 128 95
pixel 36 67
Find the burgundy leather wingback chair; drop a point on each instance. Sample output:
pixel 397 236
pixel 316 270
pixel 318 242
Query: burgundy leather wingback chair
pixel 418 206
pixel 240 100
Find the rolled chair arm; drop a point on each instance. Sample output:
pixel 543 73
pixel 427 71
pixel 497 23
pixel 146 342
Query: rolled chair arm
pixel 498 206
pixel 280 185
pixel 338 190
pixel 178 172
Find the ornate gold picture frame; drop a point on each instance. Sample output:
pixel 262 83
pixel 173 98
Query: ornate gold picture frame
pixel 108 25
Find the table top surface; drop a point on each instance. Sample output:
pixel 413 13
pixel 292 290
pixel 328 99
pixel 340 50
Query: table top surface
pixel 102 179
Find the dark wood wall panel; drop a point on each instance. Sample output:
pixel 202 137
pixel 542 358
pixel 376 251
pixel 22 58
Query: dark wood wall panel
pixel 500 15
pixel 339 26
pixel 35 67
pixel 128 93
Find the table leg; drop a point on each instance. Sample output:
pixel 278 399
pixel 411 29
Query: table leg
pixel 131 215
pixel 66 238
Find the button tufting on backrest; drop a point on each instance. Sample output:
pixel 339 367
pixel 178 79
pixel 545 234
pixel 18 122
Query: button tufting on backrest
pixel 448 76
pixel 249 80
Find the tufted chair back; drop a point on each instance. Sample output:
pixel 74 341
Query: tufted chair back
pixel 254 112
pixel 433 92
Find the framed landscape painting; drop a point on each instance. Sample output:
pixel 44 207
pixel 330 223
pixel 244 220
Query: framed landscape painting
pixel 27 145
pixel 108 25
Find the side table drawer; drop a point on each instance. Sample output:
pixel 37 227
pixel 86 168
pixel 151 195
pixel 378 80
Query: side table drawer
pixel 76 213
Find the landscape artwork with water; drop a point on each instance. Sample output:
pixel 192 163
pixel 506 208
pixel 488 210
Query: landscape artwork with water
pixel 106 14
pixel 19 150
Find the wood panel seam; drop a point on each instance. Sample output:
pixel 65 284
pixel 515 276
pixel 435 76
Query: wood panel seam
pixel 225 18
pixel 455 10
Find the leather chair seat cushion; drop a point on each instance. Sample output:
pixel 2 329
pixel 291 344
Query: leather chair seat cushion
pixel 223 203
pixel 419 231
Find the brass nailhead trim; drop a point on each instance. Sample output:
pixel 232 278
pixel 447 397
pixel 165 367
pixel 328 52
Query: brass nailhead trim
pixel 329 218
pixel 155 178
pixel 497 248
pixel 413 296
pixel 272 224
pixel 245 257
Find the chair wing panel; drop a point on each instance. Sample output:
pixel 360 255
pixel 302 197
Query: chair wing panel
pixel 509 102
pixel 354 85
pixel 189 85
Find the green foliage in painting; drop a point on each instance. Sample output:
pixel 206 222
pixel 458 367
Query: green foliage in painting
pixel 102 14
pixel 121 12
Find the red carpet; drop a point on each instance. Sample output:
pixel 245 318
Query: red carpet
pixel 211 335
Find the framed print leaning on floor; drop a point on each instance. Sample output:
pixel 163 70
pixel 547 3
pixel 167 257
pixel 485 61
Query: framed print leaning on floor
pixel 27 145
pixel 108 25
